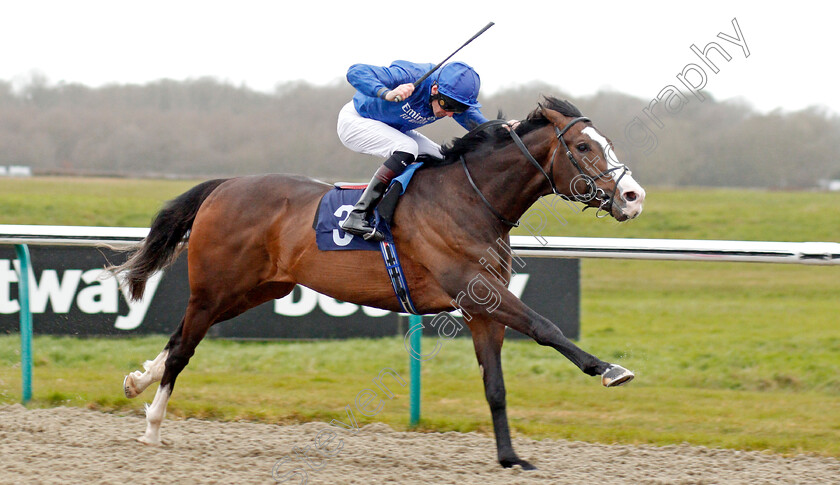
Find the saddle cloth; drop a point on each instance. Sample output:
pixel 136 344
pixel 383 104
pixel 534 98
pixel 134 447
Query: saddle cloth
pixel 333 209
pixel 337 204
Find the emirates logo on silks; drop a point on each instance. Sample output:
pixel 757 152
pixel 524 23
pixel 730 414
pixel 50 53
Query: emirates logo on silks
pixel 409 114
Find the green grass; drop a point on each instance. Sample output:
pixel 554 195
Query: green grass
pixel 726 355
pixel 75 201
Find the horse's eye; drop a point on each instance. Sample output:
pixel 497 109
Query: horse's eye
pixel 582 147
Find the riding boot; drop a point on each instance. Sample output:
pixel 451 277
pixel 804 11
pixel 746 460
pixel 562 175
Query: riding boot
pixel 357 222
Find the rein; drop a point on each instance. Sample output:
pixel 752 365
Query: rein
pixel 487 203
pixel 593 191
pixel 484 199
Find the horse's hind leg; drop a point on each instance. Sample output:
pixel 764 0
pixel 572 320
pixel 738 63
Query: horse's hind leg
pixel 137 382
pixel 197 320
pixel 200 316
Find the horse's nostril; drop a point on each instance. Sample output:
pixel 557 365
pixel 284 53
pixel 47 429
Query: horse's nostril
pixel 630 196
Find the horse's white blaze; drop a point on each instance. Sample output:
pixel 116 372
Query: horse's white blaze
pixel 627 185
pixel 612 159
pixel 154 416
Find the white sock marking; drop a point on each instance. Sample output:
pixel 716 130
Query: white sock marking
pixel 154 416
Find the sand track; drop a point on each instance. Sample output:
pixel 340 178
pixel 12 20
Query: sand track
pixel 71 445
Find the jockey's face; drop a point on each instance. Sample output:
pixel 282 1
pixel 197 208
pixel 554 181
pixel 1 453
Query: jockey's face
pixel 437 110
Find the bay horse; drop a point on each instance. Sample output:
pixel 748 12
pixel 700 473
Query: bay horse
pixel 251 241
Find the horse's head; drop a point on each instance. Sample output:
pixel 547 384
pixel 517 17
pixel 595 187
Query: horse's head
pixel 584 165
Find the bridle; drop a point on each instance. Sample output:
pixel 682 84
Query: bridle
pixel 593 191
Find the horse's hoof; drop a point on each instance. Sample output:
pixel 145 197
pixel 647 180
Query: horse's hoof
pixel 128 387
pixel 148 442
pixel 517 461
pixel 615 375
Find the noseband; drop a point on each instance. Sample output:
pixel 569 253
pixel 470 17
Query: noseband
pixel 593 191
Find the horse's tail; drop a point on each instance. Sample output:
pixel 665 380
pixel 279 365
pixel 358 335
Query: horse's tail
pixel 166 239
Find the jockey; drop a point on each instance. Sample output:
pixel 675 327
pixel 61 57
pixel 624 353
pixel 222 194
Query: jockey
pixel 381 118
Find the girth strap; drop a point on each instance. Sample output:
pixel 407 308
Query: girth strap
pixel 397 276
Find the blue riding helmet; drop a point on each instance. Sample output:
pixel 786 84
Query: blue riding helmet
pixel 460 82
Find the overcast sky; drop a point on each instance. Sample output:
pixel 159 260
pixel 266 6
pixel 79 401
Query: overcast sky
pixel 579 46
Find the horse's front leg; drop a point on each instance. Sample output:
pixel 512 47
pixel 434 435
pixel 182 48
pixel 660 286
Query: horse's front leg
pixel 545 332
pixel 487 339
pixel 485 296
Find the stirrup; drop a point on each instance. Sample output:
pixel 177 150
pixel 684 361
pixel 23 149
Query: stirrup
pixel 367 231
pixel 374 235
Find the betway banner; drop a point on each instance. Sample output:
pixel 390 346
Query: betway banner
pixel 69 296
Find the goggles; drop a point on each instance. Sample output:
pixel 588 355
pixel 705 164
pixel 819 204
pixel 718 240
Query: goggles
pixel 448 104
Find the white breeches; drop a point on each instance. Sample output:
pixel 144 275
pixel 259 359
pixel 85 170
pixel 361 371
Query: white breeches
pixel 364 135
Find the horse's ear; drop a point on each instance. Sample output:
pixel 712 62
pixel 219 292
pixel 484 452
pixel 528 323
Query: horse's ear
pixel 554 117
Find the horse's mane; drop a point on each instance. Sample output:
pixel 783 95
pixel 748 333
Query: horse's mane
pixel 493 135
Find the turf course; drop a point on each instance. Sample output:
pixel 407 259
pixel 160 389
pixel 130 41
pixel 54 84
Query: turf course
pixel 726 355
